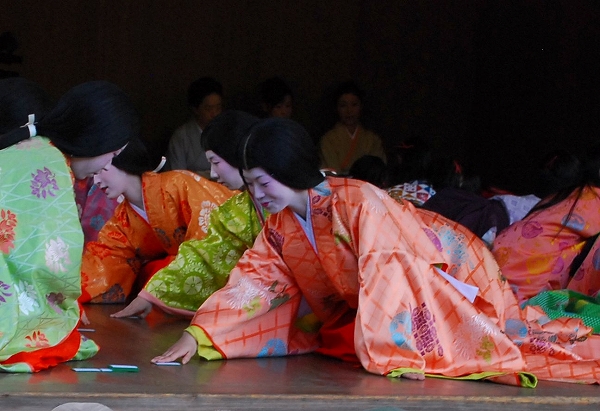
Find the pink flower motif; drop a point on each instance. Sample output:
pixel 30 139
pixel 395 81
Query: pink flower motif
pixel 8 222
pixel 43 183
pixel 37 340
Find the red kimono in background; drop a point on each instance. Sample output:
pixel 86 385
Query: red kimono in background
pixel 377 258
pixel 178 206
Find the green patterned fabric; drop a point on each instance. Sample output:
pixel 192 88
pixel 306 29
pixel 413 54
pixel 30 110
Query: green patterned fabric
pixel 567 303
pixel 202 266
pixel 41 243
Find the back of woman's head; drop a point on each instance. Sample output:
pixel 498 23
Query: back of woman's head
pixel 371 169
pixel 136 159
pixel 591 166
pixel 224 134
pixel 558 170
pixel 414 161
pixel 284 150
pixel 91 119
pixel 19 98
pixel 273 90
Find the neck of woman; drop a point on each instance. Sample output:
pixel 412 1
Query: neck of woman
pixel 134 194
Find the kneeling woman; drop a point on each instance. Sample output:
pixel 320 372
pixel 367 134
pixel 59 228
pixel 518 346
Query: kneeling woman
pixel 394 280
pixel 159 212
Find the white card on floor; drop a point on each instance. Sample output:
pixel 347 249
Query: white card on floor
pixel 91 369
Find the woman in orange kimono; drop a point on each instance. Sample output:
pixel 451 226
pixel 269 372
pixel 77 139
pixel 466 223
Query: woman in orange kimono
pixel 160 211
pixel 405 291
pixel 539 253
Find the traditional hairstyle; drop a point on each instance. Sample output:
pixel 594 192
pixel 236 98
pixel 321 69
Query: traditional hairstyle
pixel 283 149
pixel 201 88
pixel 273 90
pixel 371 169
pixel 348 87
pixel 20 98
pixel 224 134
pixel 91 119
pixel 136 159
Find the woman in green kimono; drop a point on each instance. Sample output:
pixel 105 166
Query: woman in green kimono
pixel 202 266
pixel 41 239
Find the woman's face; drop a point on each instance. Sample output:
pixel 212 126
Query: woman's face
pixel 349 108
pixel 223 172
pixel 283 109
pixel 270 193
pixel 111 180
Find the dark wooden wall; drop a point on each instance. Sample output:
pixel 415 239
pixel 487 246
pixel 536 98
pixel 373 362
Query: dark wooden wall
pixel 496 82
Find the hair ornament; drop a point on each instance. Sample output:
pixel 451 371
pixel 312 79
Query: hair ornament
pixel 30 125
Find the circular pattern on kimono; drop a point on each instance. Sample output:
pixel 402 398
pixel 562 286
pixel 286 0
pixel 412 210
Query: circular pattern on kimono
pixel 401 329
pixel 157 287
pixel 576 222
pixel 273 348
pixel 516 330
pixel 192 285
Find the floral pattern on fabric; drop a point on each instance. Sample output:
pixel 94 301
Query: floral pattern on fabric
pixel 174 201
pixel 41 244
pixel 206 263
pixel 8 223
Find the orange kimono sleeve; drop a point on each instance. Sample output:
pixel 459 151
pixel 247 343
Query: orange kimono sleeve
pixel 254 314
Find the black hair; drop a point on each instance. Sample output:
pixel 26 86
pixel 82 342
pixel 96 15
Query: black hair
pixel 273 91
pixel 371 169
pixel 588 177
pixel 224 134
pixel 89 120
pixel 284 149
pixel 414 161
pixel 558 170
pixel 136 159
pixel 348 87
pixel 19 98
pixel 201 88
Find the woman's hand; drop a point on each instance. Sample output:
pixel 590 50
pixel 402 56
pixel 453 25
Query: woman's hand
pixel 186 347
pixel 138 307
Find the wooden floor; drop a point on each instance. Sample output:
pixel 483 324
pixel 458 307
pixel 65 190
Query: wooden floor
pixel 308 382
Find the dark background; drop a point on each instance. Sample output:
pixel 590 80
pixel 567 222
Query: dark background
pixel 497 83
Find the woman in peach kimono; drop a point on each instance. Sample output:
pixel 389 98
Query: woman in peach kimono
pixel 160 211
pixel 415 293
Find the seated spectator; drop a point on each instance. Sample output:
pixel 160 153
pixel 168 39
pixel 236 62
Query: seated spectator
pixel 277 99
pixel 348 140
pixel 205 99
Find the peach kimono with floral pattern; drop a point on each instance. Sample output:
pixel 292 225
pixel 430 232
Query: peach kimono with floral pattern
pixel 178 206
pixel 378 258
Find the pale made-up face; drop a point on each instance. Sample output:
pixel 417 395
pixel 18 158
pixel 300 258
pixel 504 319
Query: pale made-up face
pixel 211 107
pixel 223 172
pixel 84 167
pixel 283 109
pixel 112 181
pixel 349 108
pixel 272 195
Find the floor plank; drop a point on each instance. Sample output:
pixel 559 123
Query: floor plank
pixel 292 383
